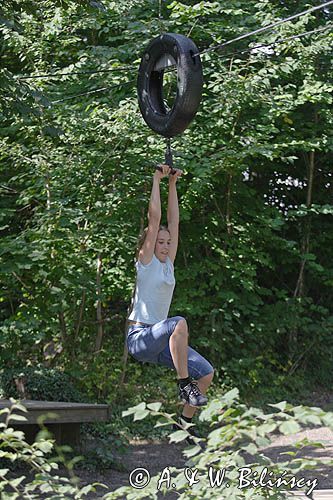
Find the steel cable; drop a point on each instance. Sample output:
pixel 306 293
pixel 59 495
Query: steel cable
pixel 265 28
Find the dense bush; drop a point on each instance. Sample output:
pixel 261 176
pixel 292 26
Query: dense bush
pixel 36 460
pixel 43 384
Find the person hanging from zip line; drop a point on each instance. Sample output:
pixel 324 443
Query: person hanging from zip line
pixel 153 336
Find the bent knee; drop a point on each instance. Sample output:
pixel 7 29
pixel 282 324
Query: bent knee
pixel 181 325
pixel 208 377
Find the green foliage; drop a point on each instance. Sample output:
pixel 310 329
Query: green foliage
pixel 41 384
pixel 145 387
pixel 254 267
pixel 239 439
pixel 43 468
pixel 102 456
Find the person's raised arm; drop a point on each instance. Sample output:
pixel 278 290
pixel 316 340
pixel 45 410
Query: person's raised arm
pixel 173 214
pixel 154 217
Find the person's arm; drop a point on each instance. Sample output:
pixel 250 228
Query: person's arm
pixel 173 215
pixel 154 217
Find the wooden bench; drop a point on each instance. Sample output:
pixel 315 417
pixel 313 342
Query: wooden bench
pixel 62 419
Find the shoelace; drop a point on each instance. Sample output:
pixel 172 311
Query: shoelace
pixel 195 388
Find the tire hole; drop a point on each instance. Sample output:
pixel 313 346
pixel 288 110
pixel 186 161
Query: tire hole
pixel 170 87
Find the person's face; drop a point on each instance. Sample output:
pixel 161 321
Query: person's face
pixel 162 245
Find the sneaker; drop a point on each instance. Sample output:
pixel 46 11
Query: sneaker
pixel 191 395
pixel 192 431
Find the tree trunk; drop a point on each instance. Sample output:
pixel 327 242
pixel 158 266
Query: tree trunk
pixel 63 328
pixel 78 324
pixel 125 352
pixel 100 328
pixel 305 248
pixel 48 191
pixel 228 208
pixel 299 290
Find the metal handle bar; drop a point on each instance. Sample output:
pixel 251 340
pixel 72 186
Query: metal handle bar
pixel 158 167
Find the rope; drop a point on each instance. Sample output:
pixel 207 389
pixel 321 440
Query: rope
pixel 265 28
pixel 168 153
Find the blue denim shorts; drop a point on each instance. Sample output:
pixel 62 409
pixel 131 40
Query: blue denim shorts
pixel 150 343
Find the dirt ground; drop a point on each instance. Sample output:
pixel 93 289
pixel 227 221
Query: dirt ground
pixel 151 455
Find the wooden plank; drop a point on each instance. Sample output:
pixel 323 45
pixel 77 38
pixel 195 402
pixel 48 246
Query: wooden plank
pixel 29 403
pixel 66 412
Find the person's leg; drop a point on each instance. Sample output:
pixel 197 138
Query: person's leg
pixel 178 348
pixel 189 411
pixel 145 343
pixel 202 372
pixel 203 383
pixel 199 369
pixel 171 335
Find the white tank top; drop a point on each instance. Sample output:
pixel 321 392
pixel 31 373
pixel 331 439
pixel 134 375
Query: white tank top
pixel 153 293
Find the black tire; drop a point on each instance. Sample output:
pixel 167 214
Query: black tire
pixel 189 84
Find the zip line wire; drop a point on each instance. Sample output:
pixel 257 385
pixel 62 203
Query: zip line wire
pixel 264 45
pixel 241 37
pixel 265 28
pixel 224 58
pixel 228 42
pixel 125 68
pixel 58 75
pixel 103 89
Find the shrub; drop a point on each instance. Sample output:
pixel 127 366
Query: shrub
pixel 44 484
pixel 42 384
pixel 235 446
pixel 236 443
